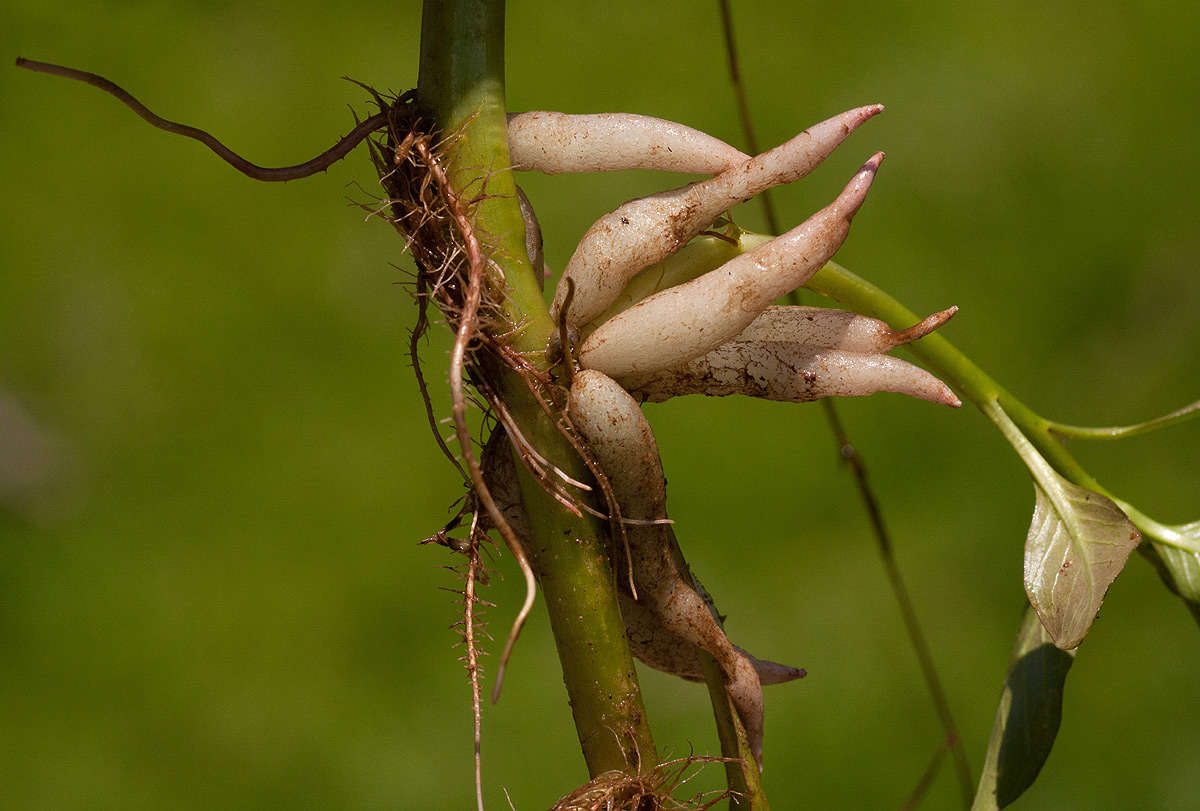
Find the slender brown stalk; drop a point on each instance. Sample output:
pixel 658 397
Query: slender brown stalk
pixel 310 167
pixel 953 741
pixel 925 780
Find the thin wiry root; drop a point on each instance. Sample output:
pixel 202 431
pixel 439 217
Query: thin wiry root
pixel 525 447
pixel 473 566
pixel 537 465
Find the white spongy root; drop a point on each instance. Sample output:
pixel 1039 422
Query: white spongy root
pixel 550 142
pixel 795 373
pixel 684 322
pixel 644 231
pixel 621 440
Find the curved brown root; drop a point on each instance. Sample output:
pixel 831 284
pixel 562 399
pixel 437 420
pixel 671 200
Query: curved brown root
pixel 310 167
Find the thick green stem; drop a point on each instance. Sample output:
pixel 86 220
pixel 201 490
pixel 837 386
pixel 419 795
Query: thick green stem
pixel 461 88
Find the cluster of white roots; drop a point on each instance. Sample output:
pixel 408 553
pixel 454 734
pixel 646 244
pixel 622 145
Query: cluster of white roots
pixel 716 334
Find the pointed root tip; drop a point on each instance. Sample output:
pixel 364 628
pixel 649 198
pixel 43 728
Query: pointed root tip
pixel 792 674
pixel 855 193
pixel 866 173
pixel 859 115
pixel 923 327
pixel 924 386
pixel 775 673
pixel 932 390
pixel 950 398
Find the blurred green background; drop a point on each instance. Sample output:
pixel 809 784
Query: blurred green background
pixel 211 592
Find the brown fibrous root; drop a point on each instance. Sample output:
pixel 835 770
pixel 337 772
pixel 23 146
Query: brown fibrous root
pixel 622 791
pixel 453 272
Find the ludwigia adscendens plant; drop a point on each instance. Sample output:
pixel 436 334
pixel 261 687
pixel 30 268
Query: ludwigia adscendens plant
pixel 442 156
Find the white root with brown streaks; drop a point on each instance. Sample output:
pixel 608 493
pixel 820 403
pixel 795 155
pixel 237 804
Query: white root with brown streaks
pixel 684 322
pixel 837 329
pixel 662 649
pixel 642 232
pixel 619 436
pixel 790 372
pixel 550 142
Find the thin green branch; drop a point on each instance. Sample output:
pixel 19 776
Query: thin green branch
pixel 977 386
pixel 741 772
pixel 1038 467
pixel 1190 411
pixel 946 361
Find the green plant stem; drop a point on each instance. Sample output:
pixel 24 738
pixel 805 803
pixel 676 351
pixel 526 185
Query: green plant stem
pixel 461 87
pixel 741 772
pixel 568 553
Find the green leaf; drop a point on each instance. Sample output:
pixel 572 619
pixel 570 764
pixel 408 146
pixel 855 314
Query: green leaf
pixel 1027 719
pixel 1078 543
pixel 1179 568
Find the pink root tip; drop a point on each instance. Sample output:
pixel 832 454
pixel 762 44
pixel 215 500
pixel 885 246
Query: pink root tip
pixel 855 193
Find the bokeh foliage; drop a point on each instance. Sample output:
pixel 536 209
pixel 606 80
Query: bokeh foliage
pixel 216 600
